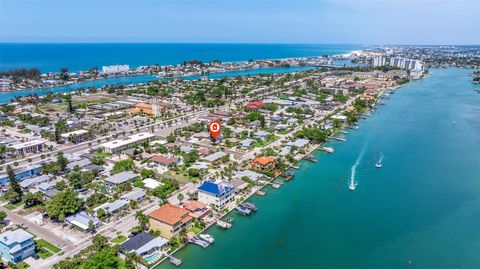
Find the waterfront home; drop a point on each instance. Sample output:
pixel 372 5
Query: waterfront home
pixel 239 185
pixel 217 194
pixel 120 178
pixel 110 208
pixel 299 143
pixel 264 163
pixel 144 245
pixel 124 143
pixel 197 209
pixel 339 117
pixel 136 194
pixel 151 183
pixel 15 246
pixel 82 219
pixel 251 175
pixel 170 220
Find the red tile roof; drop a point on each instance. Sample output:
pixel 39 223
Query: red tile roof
pixel 171 214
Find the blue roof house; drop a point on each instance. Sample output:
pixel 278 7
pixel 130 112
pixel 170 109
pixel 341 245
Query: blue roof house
pixel 15 246
pixel 217 194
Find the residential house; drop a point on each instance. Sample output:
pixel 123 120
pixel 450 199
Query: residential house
pixel 215 156
pixel 144 244
pixel 120 178
pixel 170 220
pixel 217 194
pixel 266 163
pixel 15 246
pixel 110 208
pixel 136 194
pixel 197 209
pixel 82 219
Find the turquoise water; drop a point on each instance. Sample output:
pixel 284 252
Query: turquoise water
pixel 5 97
pixel 422 206
pixel 82 56
pixel 152 258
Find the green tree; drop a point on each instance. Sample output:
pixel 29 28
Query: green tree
pixel 62 161
pixel 105 259
pixel 142 220
pixel 63 204
pixel 123 165
pixel 14 186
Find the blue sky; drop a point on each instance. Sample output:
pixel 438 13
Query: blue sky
pixel 242 21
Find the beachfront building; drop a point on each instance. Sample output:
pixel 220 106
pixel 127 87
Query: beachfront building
pixel 29 147
pixel 170 220
pixel 265 163
pixel 217 194
pixel 113 69
pixel 15 246
pixel 124 143
pixel 75 136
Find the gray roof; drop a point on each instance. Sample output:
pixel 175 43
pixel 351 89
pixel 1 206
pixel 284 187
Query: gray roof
pixel 51 192
pixel 18 236
pixel 261 133
pixel 134 194
pixel 112 207
pixel 121 177
pixel 143 243
pixel 247 142
pixel 187 149
pixel 81 220
pixel 254 176
pixel 300 143
pixel 81 163
pixel 215 156
pixel 27 183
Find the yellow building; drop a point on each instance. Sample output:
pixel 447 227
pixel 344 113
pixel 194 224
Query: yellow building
pixel 170 220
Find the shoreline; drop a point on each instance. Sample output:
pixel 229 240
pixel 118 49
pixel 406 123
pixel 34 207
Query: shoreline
pixel 310 150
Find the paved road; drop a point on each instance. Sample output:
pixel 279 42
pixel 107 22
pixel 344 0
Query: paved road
pixel 36 229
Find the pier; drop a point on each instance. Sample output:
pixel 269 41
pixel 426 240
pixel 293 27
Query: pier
pixel 224 225
pixel 327 149
pixel 197 241
pixel 339 138
pixel 310 157
pixel 174 261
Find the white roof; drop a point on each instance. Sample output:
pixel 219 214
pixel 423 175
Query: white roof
pixel 81 220
pixel 151 183
pixel 339 117
pixel 74 133
pixel 215 156
pixel 18 236
pixel 28 144
pixel 127 140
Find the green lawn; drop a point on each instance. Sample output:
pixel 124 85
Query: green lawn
pixel 284 132
pixel 26 211
pixel 262 143
pixel 43 253
pixel 194 230
pixel 119 239
pixel 48 245
pixel 22 265
pixel 11 206
pixel 101 155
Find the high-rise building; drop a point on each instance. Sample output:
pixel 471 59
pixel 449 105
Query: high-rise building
pixel 112 69
pixel 379 61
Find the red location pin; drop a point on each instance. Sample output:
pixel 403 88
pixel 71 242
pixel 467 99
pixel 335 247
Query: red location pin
pixel 214 128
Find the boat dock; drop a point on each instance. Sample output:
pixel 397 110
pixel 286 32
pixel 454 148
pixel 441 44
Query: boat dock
pixel 197 241
pixel 343 132
pixel 250 206
pixel 261 193
pixel 174 261
pixel 287 175
pixel 339 138
pixel 224 225
pixel 310 157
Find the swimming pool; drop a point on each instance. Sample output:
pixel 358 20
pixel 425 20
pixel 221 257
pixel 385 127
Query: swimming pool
pixel 152 257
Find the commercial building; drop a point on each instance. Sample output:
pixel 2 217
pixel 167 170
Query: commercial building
pixel 29 147
pixel 170 220
pixel 124 143
pixel 112 69
pixel 217 194
pixel 75 136
pixel 15 246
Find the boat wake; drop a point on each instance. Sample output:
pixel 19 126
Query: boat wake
pixel 379 162
pixel 352 184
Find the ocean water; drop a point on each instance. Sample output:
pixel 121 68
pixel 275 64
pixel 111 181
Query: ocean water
pixel 51 57
pixel 420 210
